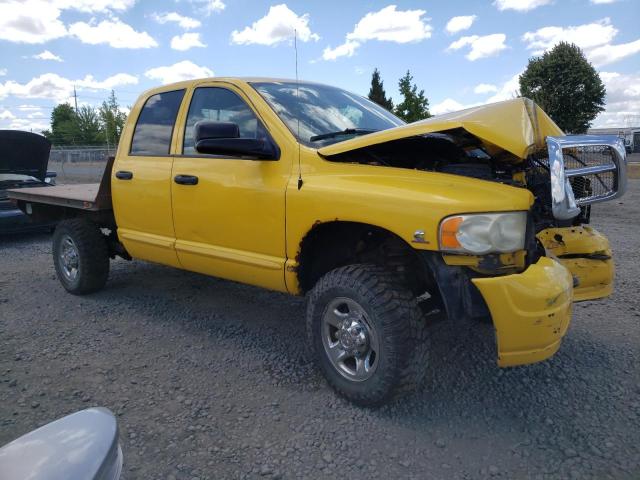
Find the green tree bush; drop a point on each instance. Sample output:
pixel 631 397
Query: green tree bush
pixel 64 126
pixel 566 86
pixel 414 105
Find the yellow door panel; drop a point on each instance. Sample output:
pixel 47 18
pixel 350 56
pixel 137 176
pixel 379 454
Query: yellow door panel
pixel 234 216
pixel 148 213
pixel 231 224
pixel 140 181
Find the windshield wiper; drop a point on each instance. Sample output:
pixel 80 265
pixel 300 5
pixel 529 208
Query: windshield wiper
pixel 346 131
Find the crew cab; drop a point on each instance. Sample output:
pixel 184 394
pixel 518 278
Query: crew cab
pixel 385 227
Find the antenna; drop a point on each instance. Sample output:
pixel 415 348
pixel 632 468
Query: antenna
pixel 295 46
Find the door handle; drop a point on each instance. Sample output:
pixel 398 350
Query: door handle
pixel 186 179
pixel 124 175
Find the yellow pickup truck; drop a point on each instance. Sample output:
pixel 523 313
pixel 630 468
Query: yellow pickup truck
pixel 385 227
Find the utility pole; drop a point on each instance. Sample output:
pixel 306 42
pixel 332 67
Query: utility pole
pixel 75 98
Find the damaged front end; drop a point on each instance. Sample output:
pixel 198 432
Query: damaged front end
pixel 517 144
pixel 580 170
pixel 529 293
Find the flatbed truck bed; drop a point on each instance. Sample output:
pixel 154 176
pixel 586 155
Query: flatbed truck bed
pixel 93 197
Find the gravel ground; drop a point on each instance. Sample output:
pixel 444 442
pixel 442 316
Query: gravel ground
pixel 211 379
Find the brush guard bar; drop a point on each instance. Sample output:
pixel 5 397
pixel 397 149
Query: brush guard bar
pixel 585 169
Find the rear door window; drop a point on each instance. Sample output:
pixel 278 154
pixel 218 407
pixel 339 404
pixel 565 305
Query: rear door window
pixel 154 128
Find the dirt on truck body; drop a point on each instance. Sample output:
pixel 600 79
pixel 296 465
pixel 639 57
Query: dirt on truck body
pixel 307 189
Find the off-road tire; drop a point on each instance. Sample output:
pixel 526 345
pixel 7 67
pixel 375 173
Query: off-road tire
pixel 393 312
pixel 93 256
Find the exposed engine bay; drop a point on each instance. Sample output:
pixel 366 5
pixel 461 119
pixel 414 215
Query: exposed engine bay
pixel 458 152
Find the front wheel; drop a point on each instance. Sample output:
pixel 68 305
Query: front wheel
pixel 80 256
pixel 367 334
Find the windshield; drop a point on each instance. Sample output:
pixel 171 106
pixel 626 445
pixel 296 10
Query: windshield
pixel 330 113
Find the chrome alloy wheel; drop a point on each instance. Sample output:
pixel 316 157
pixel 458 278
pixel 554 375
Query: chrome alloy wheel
pixel 349 340
pixel 69 258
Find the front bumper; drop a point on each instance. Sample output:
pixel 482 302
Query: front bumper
pixel 531 311
pixel 587 254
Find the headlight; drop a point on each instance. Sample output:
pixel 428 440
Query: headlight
pixel 482 233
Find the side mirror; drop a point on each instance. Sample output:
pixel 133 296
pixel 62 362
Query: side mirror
pixel 223 138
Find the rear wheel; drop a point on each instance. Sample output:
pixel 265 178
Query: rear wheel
pixel 367 334
pixel 80 256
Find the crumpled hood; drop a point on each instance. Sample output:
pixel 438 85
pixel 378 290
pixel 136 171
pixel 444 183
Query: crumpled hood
pixel 518 126
pixel 24 153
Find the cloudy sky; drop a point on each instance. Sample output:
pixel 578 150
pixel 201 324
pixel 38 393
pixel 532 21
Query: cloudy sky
pixel 460 52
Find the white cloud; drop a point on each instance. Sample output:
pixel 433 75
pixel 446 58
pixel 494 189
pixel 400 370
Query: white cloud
pixel 507 90
pixel 30 21
pixel 47 55
pixel 94 6
pixel 6 115
pixel 112 32
pixel 3 72
pixel 47 86
pixel 391 25
pixel 446 106
pixel 485 88
pixel 585 36
pixel 52 86
pixel 520 5
pixel 38 21
pixel 458 24
pixel 277 26
pixel 603 2
pixel 480 46
pixel 29 108
pixel 210 6
pixel 24 117
pixel 186 41
pixel 594 38
pixel 622 101
pixel 386 25
pixel 607 54
pixel 184 22
pixel 347 49
pixel 108 83
pixel 27 125
pixel 177 72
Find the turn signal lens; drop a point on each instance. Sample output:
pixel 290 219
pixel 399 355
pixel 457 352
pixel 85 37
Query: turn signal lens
pixel 448 231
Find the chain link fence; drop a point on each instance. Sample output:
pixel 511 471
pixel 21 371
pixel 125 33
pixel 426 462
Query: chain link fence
pixel 79 164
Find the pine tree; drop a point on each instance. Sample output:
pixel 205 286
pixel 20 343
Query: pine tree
pixel 112 119
pixel 377 93
pixel 566 86
pixel 414 106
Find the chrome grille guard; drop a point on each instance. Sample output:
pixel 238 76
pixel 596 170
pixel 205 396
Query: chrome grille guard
pixel 585 169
